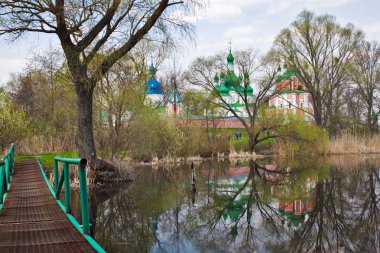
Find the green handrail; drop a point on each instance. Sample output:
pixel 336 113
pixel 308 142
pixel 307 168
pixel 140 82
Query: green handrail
pixel 6 170
pixel 64 179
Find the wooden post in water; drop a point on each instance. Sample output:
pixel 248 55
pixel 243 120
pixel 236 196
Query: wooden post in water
pixel 194 190
pixel 192 174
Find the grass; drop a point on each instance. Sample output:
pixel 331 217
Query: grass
pixel 47 159
pixel 242 144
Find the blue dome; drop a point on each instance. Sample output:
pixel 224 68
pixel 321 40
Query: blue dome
pixel 154 87
pixel 178 96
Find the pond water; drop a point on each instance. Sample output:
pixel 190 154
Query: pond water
pixel 308 204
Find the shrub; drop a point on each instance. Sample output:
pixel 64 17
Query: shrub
pixel 13 122
pixel 298 136
pixel 153 135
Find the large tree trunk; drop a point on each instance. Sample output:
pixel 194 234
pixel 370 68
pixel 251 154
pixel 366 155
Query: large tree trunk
pixel 369 118
pixel 102 171
pixel 85 139
pixel 318 112
pixel 252 141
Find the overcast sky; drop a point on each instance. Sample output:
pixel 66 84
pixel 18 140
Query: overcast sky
pixel 248 23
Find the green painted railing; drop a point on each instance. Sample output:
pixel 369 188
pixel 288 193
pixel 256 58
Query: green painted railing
pixel 64 179
pixel 6 172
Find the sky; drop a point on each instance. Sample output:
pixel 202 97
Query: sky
pixel 247 23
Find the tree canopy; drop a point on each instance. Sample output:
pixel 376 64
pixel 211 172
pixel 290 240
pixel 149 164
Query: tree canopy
pixel 88 28
pixel 320 49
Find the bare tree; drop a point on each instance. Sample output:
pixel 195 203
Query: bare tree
pixel 86 28
pixel 320 49
pixel 202 72
pixel 365 73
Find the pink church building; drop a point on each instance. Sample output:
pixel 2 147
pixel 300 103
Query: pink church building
pixel 292 96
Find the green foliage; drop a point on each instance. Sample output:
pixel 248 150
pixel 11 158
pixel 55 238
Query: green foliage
pixel 298 136
pixel 204 142
pixel 199 102
pixel 152 135
pixel 13 122
pixel 47 95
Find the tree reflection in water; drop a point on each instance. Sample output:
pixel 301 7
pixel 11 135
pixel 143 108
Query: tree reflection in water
pixel 307 204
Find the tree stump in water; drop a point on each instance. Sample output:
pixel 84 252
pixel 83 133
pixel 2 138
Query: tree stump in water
pixel 106 172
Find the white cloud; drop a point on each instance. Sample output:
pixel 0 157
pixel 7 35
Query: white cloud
pixel 241 2
pixel 223 11
pixel 297 5
pixel 239 31
pixel 214 13
pixel 218 10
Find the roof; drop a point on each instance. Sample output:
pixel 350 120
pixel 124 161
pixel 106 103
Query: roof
pixel 153 87
pixel 291 91
pixel 175 95
pixel 216 78
pixel 224 89
pixel 231 80
pixel 230 58
pixel 288 75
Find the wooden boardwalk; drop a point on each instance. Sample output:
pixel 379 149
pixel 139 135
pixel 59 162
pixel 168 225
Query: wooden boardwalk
pixel 32 221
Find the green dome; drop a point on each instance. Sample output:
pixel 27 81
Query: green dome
pixel 152 70
pixel 231 80
pixel 249 89
pixel 230 58
pixel 288 75
pixel 246 75
pixel 224 89
pixel 216 78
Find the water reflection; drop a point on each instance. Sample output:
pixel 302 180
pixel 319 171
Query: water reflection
pixel 308 204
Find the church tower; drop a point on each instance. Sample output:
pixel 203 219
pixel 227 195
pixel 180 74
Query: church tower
pixel 153 88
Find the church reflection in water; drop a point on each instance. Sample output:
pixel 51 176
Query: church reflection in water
pixel 242 206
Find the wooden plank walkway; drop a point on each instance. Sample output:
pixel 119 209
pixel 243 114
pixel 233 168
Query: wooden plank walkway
pixel 32 221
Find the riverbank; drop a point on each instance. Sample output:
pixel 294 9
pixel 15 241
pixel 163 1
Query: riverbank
pixel 344 144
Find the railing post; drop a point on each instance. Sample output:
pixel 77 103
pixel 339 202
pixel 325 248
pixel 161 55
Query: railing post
pixel 84 196
pixel 7 176
pixel 2 163
pixel 66 172
pixel 56 176
pixel 12 159
pixel 64 179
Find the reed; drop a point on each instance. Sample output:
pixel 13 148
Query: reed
pixel 46 143
pixel 353 144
